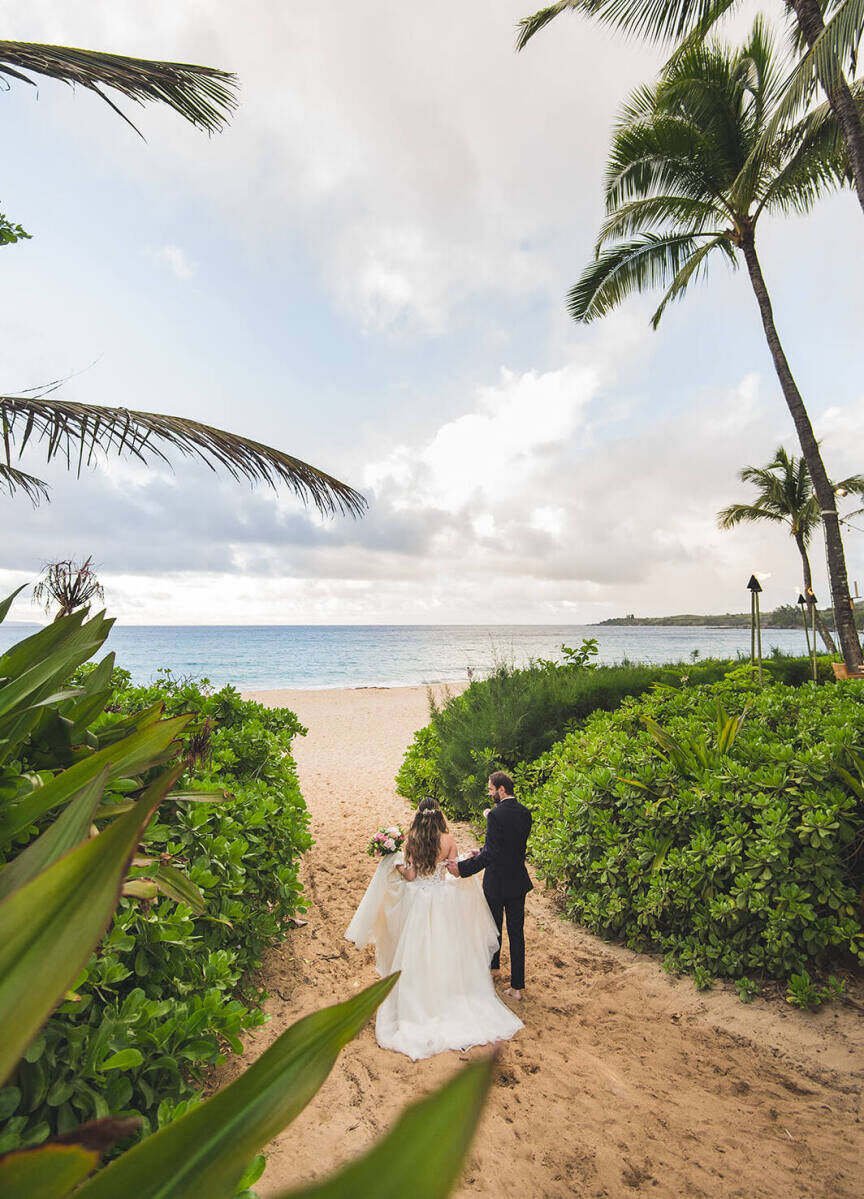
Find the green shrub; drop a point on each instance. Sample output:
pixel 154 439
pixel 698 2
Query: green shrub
pixel 509 720
pixel 715 824
pixel 170 990
pixel 419 775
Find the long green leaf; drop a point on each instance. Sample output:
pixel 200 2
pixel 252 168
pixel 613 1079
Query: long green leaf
pixel 8 601
pixel 205 1152
pixel 68 632
pixel 140 751
pixel 423 1154
pixel 68 830
pixel 49 927
pixel 49 1172
pixel 175 884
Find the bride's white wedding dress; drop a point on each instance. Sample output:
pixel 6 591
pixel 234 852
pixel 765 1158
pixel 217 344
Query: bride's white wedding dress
pixel 438 931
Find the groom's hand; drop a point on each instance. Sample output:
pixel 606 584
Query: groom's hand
pixel 453 867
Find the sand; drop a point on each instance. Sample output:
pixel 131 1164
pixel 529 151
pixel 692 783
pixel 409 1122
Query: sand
pixel 624 1080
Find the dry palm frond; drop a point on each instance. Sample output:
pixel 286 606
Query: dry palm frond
pixel 68 585
pixel 12 480
pixel 77 432
pixel 204 96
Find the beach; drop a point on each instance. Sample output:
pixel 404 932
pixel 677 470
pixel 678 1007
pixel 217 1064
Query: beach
pixel 624 1080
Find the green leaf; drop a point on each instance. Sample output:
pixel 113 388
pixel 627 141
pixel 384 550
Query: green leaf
pixel 253 1172
pixel 7 602
pixel 206 1151
pixel 126 1059
pixel 49 1172
pixel 422 1155
pixel 139 751
pixel 48 928
pixel 10 1097
pixel 174 883
pixel 67 831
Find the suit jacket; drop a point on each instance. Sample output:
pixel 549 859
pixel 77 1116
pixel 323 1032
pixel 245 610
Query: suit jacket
pixel 503 855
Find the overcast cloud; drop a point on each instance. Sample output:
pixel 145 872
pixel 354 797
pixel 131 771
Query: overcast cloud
pixel 368 269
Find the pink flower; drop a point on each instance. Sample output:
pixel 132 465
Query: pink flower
pixel 390 844
pixel 393 832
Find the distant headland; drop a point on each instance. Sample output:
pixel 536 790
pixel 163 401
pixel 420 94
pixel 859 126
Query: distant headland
pixel 788 616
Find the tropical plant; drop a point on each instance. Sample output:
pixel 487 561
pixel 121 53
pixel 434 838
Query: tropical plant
pixel 68 585
pixel 76 433
pixel 717 823
pixel 682 178
pixel 10 233
pixel 785 495
pixel 58 894
pixel 827 50
pixel 204 96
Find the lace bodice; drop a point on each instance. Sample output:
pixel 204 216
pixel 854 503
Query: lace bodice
pixel 435 878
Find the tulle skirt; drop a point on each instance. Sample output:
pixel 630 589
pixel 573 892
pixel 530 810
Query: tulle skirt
pixel 440 934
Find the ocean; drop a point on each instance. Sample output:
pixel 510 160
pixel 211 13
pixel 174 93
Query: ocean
pixel 318 656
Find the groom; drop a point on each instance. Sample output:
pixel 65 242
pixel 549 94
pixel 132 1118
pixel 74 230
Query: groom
pixel 506 881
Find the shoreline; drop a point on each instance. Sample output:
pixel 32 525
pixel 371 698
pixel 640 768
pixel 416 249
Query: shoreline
pixel 267 695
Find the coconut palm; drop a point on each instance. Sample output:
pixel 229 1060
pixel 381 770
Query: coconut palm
pixel 77 433
pixel 684 178
pixel 785 495
pixel 204 96
pixel 826 33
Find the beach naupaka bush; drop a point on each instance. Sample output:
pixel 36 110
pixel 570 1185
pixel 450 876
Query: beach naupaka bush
pixel 718 824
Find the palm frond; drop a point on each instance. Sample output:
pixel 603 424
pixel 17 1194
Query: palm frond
pixel 736 514
pixel 640 216
pixel 78 432
pixel 662 155
pixel 826 61
pixel 528 26
pixel 637 265
pixel 653 20
pixel 692 270
pixel 204 96
pixel 12 480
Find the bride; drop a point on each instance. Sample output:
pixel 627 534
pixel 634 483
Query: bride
pixel 438 931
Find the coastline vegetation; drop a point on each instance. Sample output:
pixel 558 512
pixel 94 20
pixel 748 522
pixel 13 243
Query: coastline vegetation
pixel 682 809
pixel 136 895
pixel 786 616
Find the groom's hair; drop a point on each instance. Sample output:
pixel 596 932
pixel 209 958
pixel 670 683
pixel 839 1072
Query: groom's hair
pixel 500 779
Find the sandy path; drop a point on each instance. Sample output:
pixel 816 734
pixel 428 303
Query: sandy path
pixel 623 1080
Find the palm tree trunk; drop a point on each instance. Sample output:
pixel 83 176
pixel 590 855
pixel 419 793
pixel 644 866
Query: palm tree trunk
pixel 808 591
pixel 809 17
pixel 844 617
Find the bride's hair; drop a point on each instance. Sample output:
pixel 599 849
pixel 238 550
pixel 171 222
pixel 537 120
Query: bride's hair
pixel 424 835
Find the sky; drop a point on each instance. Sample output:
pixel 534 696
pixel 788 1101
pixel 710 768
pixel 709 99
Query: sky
pixel 368 269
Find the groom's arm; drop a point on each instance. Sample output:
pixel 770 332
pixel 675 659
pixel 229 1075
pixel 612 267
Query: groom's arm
pixel 489 851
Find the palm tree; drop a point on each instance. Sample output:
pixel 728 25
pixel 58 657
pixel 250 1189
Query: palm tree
pixel 683 177
pixel 829 48
pixel 785 495
pixel 77 433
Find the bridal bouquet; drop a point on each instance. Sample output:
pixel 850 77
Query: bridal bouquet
pixel 386 841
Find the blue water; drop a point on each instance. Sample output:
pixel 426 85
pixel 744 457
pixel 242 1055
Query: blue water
pixel 315 656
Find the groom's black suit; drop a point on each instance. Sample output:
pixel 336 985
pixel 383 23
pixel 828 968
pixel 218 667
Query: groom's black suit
pixel 506 881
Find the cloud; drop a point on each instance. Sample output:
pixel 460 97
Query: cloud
pixel 176 259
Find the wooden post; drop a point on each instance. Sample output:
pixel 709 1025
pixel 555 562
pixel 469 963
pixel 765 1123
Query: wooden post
pixel 755 624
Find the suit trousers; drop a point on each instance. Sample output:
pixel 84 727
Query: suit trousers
pixel 514 909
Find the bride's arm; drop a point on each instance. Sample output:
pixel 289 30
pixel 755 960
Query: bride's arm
pixel 408 872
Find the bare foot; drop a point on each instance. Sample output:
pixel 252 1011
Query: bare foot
pixel 513 994
pixel 495 973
